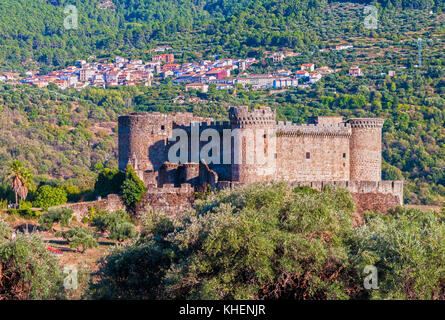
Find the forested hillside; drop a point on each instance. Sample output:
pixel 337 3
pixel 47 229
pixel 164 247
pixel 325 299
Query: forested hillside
pixel 32 33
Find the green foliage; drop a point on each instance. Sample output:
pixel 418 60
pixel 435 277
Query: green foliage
pixel 407 247
pixel 123 231
pixel 91 214
pixel 25 204
pixel 24 213
pixel 254 242
pixel 29 271
pixel 156 223
pixel 5 230
pixel 238 245
pixel 133 188
pixel 20 179
pixel 117 223
pixel 134 272
pixel 3 204
pixel 273 241
pixel 109 181
pixel 80 237
pixel 62 215
pixel 48 196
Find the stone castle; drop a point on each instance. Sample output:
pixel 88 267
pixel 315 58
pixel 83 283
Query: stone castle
pixel 326 151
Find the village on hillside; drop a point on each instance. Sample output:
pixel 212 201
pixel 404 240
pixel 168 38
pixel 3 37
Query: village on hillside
pixel 197 75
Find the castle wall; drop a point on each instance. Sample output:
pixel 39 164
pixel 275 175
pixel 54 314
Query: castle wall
pixel 367 195
pixel 112 202
pixel 326 151
pixel 171 200
pixel 312 158
pixel 143 141
pixel 313 153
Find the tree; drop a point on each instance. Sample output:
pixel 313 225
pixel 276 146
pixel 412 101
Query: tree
pixel 133 188
pixel 28 270
pixel 5 230
pixel 48 196
pixel 278 242
pixel 117 223
pixel 20 180
pixel 251 243
pixel 109 181
pixel 80 237
pixel 62 215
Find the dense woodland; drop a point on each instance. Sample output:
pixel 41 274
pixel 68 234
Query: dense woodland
pixel 32 33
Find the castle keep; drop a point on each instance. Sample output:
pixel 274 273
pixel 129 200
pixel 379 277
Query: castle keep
pixel 326 151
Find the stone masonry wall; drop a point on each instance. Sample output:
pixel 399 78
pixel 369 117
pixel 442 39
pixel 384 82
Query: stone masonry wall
pixel 169 199
pixel 367 195
pixel 112 202
pixel 313 156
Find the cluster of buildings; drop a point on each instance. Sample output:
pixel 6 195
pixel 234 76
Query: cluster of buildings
pixel 199 76
pixel 120 72
pixel 224 73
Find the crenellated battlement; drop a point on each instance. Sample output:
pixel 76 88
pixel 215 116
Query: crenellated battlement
pixel 241 116
pixel 291 129
pixel 215 125
pixel 366 122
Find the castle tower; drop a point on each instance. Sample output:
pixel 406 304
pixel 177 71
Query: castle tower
pixel 365 149
pixel 143 140
pixel 254 144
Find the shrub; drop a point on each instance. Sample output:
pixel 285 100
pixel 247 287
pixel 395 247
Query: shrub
pixel 133 188
pixel 48 196
pixel 255 242
pixel 136 271
pixel 117 223
pixel 29 214
pixel 109 181
pixel 407 248
pixel 62 215
pixel 4 204
pixel 156 223
pixel 123 231
pixel 29 271
pixel 5 230
pixel 23 205
pixel 79 237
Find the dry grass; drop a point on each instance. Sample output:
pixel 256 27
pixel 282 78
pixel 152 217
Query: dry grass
pixel 424 208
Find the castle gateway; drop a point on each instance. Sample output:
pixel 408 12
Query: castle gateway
pixel 175 154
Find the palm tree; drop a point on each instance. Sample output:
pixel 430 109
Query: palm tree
pixel 20 179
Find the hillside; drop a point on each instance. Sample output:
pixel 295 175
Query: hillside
pixel 66 137
pixel 32 33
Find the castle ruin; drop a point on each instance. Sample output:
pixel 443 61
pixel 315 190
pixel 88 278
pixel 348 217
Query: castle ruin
pixel 326 151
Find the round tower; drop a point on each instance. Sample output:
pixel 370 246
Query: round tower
pixel 254 145
pixel 365 147
pixel 142 139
